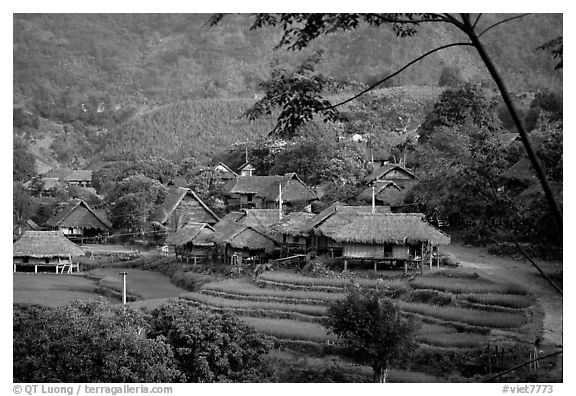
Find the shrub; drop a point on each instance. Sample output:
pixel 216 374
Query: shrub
pixel 210 347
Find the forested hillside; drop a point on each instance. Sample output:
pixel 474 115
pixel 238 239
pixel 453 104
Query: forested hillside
pixel 134 80
pixel 193 128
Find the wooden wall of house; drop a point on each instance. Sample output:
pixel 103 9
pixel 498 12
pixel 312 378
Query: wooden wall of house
pixel 358 250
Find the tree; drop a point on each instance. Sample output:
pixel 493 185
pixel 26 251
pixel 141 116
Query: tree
pixel 371 331
pixel 299 30
pixel 211 347
pixel 23 163
pixel 23 206
pixel 458 106
pixel 317 161
pixel 302 88
pixel 133 200
pixel 545 104
pixel 88 342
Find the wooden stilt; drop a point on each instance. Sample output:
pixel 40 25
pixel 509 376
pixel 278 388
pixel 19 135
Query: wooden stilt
pixel 194 260
pixel 14 267
pixel 406 267
pixel 375 267
pixel 35 269
pixel 345 265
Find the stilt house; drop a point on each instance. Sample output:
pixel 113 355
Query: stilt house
pixel 45 250
pixel 79 222
pixel 183 206
pixel 194 241
pixel 389 237
pixel 325 224
pixel 263 192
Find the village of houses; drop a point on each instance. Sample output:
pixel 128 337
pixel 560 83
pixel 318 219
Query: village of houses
pixel 269 214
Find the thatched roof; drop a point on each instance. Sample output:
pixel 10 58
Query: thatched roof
pixel 78 214
pixel 229 218
pixel 239 236
pixel 396 228
pixel 382 172
pixel 40 244
pixel 261 220
pixel 201 214
pixel 267 187
pixel 342 210
pixel 197 234
pixel 387 192
pixel 293 223
pixel 79 175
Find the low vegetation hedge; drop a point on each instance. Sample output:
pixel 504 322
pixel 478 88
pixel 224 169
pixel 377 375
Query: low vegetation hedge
pixel 242 289
pixel 314 310
pixel 290 329
pixel 502 300
pixel 472 317
pixel 454 340
pixel 289 279
pixel 464 286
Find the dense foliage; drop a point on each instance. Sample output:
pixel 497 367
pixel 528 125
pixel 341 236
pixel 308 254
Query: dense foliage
pixel 371 331
pixel 98 342
pixel 133 200
pixel 211 348
pixel 87 342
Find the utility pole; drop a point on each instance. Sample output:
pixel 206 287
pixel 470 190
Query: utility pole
pixel 123 287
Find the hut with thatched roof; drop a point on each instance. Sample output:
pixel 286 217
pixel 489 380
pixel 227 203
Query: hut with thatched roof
pixel 243 244
pixel 182 206
pixel 80 177
pixel 79 221
pixel 294 239
pixel 392 172
pixel 325 224
pixel 269 192
pixel 193 241
pixel 45 250
pixel 386 193
pixel 389 237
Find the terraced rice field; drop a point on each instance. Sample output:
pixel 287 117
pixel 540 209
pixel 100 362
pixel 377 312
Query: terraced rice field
pixel 291 306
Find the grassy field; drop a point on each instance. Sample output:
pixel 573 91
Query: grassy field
pixel 144 284
pixel 53 290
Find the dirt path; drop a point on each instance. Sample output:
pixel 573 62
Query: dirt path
pixel 507 269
